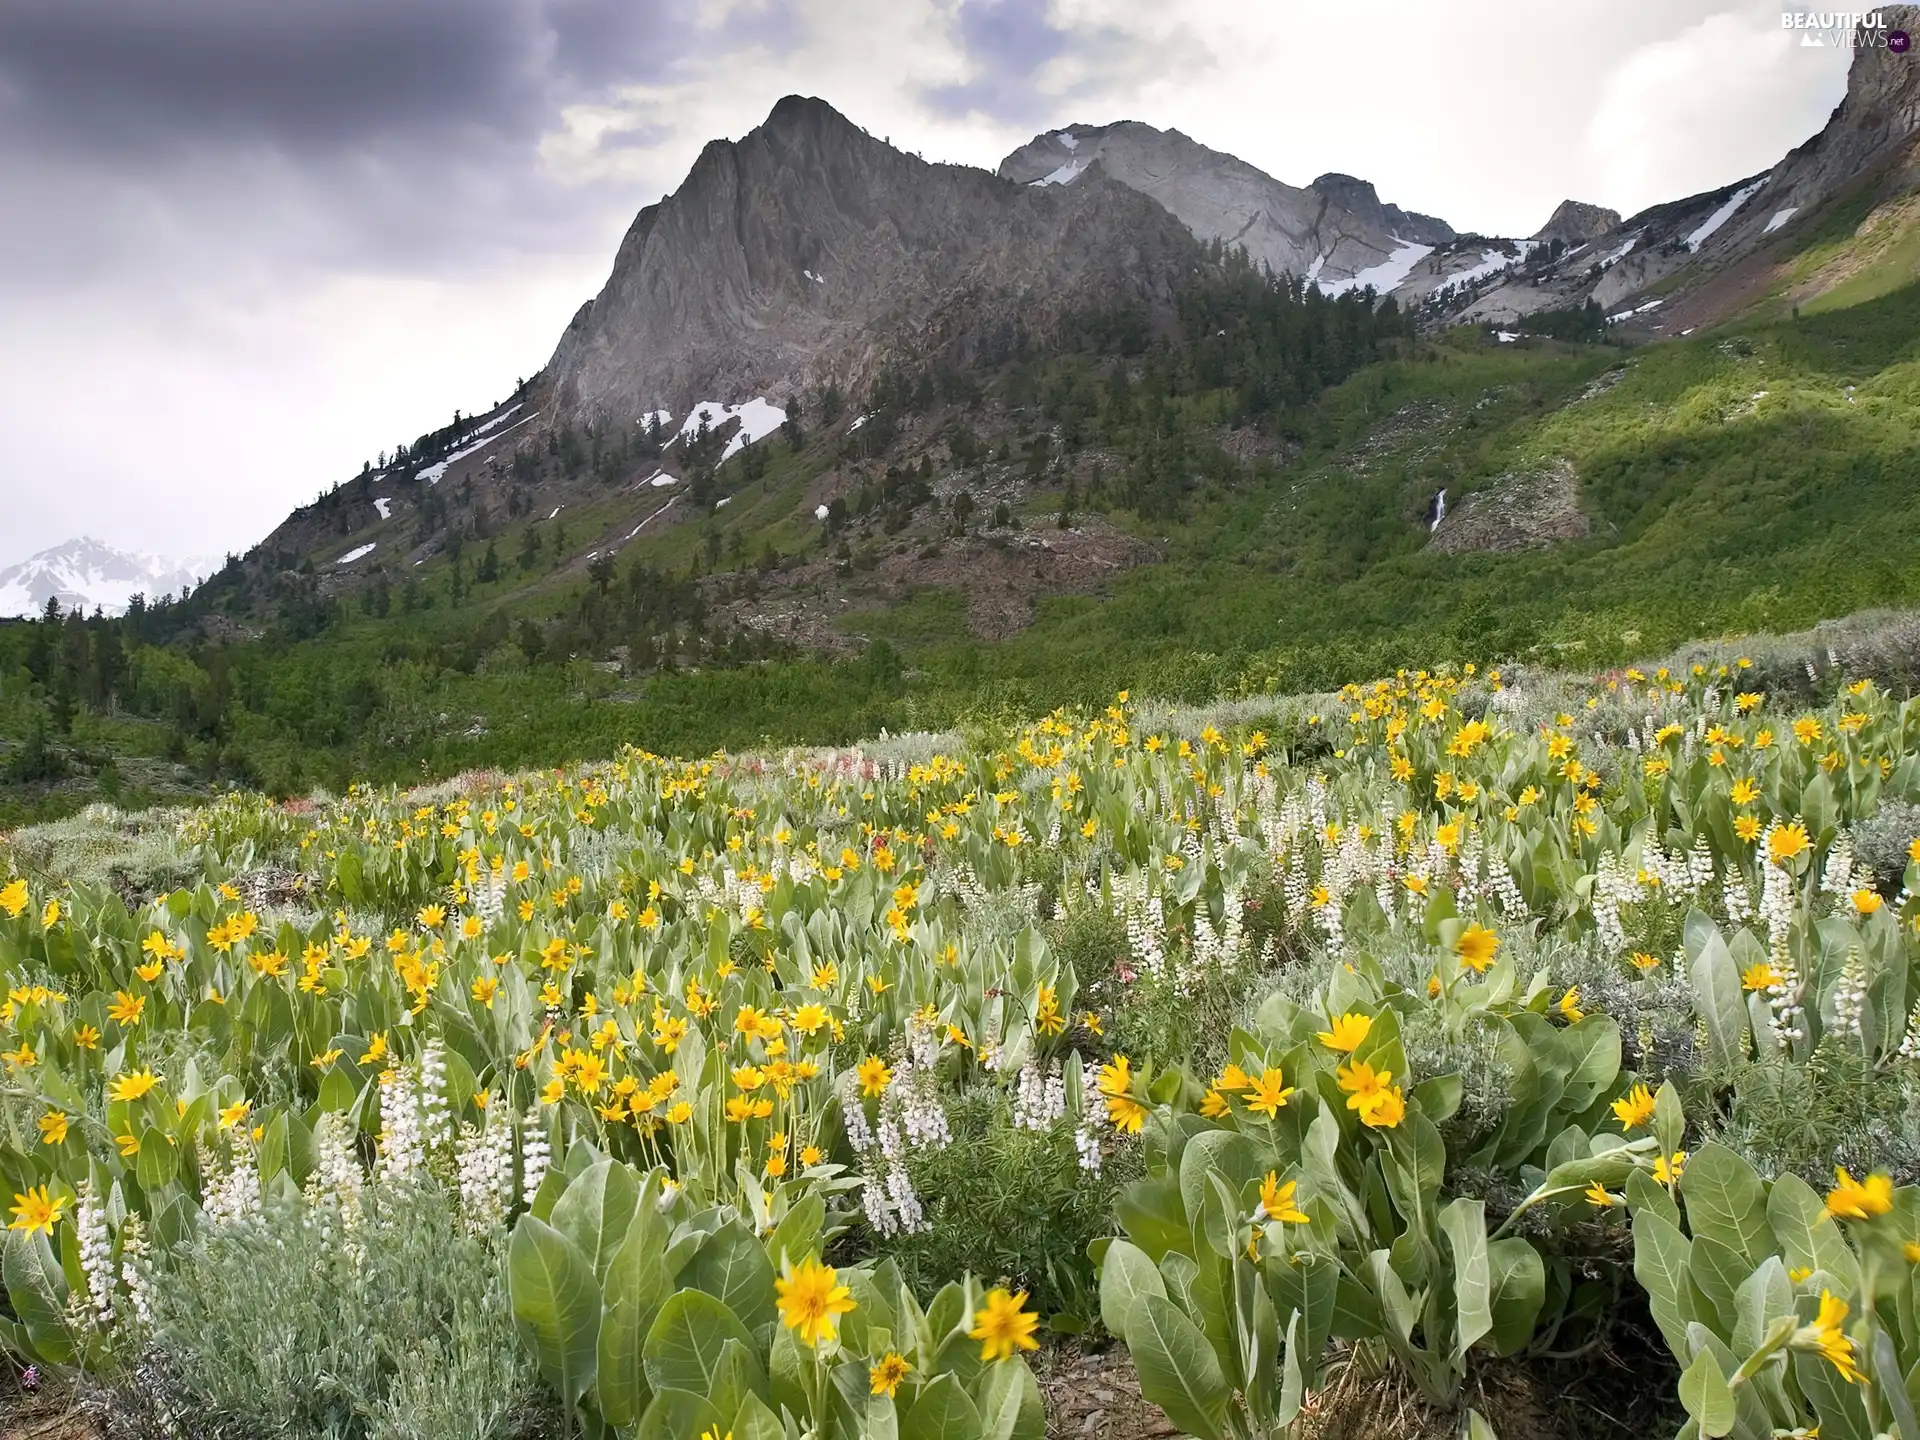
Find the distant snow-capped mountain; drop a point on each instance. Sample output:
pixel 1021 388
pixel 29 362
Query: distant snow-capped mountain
pixel 86 573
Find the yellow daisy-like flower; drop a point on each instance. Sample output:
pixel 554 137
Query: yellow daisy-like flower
pixel 874 1076
pixel 1852 1199
pixel 1825 1337
pixel 810 1296
pixel 35 1211
pixel 1346 1033
pixel 1004 1325
pixel 886 1374
pixel 1268 1094
pixel 132 1087
pixel 1277 1202
pixel 1476 947
pixel 53 1128
pixel 1784 842
pixel 1866 902
pixel 1635 1108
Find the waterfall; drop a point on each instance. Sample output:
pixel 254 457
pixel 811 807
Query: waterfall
pixel 1439 512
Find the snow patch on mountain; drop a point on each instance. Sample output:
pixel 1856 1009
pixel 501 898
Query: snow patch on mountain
pixel 89 574
pixel 434 471
pixel 1725 213
pixel 1388 274
pixel 758 417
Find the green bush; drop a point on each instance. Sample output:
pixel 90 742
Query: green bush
pixel 1012 1206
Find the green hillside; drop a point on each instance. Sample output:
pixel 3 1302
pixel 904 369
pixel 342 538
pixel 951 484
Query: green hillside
pixel 1276 483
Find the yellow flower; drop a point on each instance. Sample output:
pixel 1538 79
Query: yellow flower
pixel 484 990
pixel 1270 1094
pixel 1747 827
pixel 1825 1337
pixel 1667 1168
pixel 1851 1199
pixel 1570 1006
pixel 13 900
pixel 325 1058
pixel 376 1049
pixel 35 1211
pixel 1744 792
pixel 1759 977
pixel 1276 1201
pixel 810 1297
pixel 874 1076
pixel 1866 902
pixel 1643 961
pixel 1635 1108
pixel 86 1037
pixel 53 1128
pixel 887 1373
pixel 132 1087
pixel 234 1114
pixel 1476 947
pixel 126 1009
pixel 1347 1032
pixel 1004 1325
pixel 50 916
pixel 1602 1198
pixel 1786 841
pixel 432 917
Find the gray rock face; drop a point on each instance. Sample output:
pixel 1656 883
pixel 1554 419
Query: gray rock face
pixel 1577 222
pixel 810 252
pixel 1332 229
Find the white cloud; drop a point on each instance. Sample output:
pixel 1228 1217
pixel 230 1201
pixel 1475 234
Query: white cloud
pixel 1723 99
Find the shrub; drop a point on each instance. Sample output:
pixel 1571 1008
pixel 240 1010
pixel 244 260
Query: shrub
pixel 271 1325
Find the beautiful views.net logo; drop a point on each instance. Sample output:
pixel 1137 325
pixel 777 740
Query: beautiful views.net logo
pixel 1846 30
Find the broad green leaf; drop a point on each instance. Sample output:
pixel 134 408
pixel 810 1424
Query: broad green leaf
pixel 1126 1275
pixel 1716 990
pixel 596 1210
pixel 942 1411
pixel 1726 1203
pixel 1010 1404
pixel 733 1268
pixel 1177 1367
pixel 1808 1235
pixel 683 1348
pixel 1704 1393
pixel 679 1415
pixel 556 1305
pixel 1660 1256
pixel 1464 1223
pixel 1519 1290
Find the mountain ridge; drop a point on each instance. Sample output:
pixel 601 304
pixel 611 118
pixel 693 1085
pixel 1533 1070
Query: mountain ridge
pixel 88 574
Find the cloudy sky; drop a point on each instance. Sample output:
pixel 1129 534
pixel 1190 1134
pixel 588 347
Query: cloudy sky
pixel 249 243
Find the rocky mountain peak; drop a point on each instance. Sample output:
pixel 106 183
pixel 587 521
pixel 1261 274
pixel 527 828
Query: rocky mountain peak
pixel 1334 231
pixel 1576 222
pixel 1358 198
pixel 809 252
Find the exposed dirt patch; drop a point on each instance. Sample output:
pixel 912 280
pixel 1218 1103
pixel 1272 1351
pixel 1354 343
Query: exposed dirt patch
pixel 48 1410
pixel 1520 510
pixel 1001 575
pixel 1095 1395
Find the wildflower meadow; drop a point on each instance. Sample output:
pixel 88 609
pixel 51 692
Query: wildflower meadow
pixel 1398 1033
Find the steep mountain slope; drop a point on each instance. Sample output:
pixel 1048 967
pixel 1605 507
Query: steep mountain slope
pixel 1335 230
pixel 808 252
pixel 1694 262
pixel 86 574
